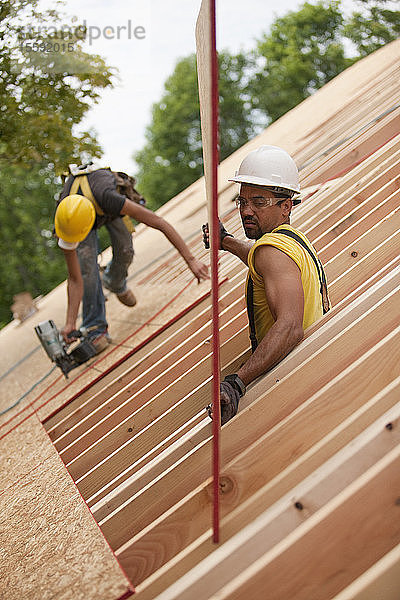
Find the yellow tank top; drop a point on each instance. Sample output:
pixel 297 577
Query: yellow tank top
pixel 313 310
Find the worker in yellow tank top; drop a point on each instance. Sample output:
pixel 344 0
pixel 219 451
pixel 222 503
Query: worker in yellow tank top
pixel 286 284
pixel 313 309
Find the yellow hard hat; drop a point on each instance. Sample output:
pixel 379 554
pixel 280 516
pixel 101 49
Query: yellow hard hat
pixel 74 218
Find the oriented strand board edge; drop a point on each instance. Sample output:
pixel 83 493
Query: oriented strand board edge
pixel 50 545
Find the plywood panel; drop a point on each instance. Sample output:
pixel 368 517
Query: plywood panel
pixel 46 528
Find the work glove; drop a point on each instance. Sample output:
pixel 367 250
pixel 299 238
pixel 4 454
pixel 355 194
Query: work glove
pixel 232 389
pixel 222 234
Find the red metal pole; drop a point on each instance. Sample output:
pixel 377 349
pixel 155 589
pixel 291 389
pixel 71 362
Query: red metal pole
pixel 214 274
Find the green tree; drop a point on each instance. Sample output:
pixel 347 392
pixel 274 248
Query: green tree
pixel 43 96
pixel 301 53
pixel 373 25
pixel 47 84
pixel 30 260
pixel 172 157
pixel 307 48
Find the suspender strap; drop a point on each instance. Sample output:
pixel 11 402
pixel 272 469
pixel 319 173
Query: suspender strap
pixel 320 269
pixel 321 277
pixel 82 182
pixel 250 313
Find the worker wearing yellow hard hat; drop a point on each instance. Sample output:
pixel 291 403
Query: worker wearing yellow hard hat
pixel 75 216
pixel 93 197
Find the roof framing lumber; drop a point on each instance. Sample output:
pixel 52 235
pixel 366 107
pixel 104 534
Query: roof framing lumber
pixel 287 446
pixel 382 579
pixel 325 460
pixel 265 413
pixel 360 521
pixel 317 338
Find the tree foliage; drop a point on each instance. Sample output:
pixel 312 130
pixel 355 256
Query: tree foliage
pixel 30 260
pixel 172 157
pixel 301 53
pixel 47 84
pixel 45 91
pixel 374 24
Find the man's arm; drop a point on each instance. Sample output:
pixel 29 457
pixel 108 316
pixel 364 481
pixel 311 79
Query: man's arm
pixel 239 248
pixel 142 214
pixel 285 297
pixel 74 292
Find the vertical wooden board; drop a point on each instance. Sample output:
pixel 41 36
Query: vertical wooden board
pixel 50 545
pixel 204 60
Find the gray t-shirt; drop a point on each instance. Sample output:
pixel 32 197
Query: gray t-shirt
pixel 104 189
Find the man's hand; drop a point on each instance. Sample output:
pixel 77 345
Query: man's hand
pixel 66 331
pixel 198 268
pixel 206 235
pixel 232 389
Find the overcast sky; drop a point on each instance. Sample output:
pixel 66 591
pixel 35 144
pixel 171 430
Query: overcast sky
pixel 166 33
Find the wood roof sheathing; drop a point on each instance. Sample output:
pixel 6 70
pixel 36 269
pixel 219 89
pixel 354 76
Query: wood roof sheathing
pixel 319 430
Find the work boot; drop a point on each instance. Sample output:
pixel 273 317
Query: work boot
pixel 99 340
pixel 127 298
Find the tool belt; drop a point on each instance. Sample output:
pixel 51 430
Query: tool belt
pixel 321 276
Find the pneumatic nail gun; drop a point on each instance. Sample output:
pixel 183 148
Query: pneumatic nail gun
pixel 56 348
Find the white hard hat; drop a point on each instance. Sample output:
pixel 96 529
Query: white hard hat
pixel 269 166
